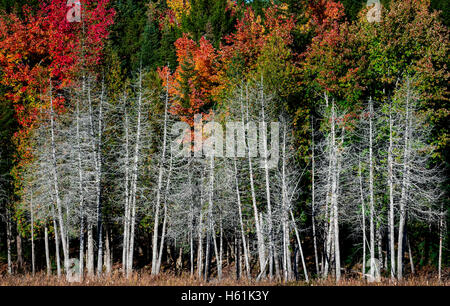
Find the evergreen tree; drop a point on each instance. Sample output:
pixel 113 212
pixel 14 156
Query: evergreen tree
pixel 151 54
pixel 209 18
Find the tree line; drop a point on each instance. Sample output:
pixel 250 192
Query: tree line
pixel 350 180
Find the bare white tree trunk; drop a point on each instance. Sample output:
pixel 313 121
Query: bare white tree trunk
pixel 289 263
pixel 220 248
pixel 163 233
pixel 107 251
pixel 200 245
pixel 32 236
pixel 55 228
pixel 391 197
pixel 329 231
pixel 218 256
pixel 379 245
pixel 405 183
pixel 160 183
pixel 371 195
pixel 411 261
pixel 328 203
pixel 299 247
pixel 284 206
pixel 126 221
pixel 267 187
pixel 259 236
pixel 363 216
pixel 56 185
pixel 8 240
pixel 211 231
pixel 80 185
pixel 241 223
pixel 90 251
pixel 191 244
pixel 441 238
pixel 98 176
pixel 134 179
pixel 313 197
pixel 47 253
pixel 334 191
pixel 207 253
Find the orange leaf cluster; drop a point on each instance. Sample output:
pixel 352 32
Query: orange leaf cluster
pixel 193 81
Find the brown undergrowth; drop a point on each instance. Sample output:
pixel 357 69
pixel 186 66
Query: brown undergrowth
pixel 169 279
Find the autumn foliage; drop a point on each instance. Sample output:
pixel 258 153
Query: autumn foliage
pixel 192 82
pixel 202 73
pixel 44 46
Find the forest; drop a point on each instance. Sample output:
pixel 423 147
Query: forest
pixel 224 142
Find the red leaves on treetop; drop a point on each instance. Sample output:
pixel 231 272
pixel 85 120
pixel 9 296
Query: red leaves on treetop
pixel 325 13
pixel 77 45
pixel 252 34
pixel 328 60
pixel 44 45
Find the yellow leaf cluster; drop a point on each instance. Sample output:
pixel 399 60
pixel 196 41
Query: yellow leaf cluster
pixel 179 7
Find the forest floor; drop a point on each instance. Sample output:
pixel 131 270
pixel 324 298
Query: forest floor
pixel 166 279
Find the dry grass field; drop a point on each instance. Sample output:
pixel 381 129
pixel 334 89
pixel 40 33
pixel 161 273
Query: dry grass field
pixel 146 279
